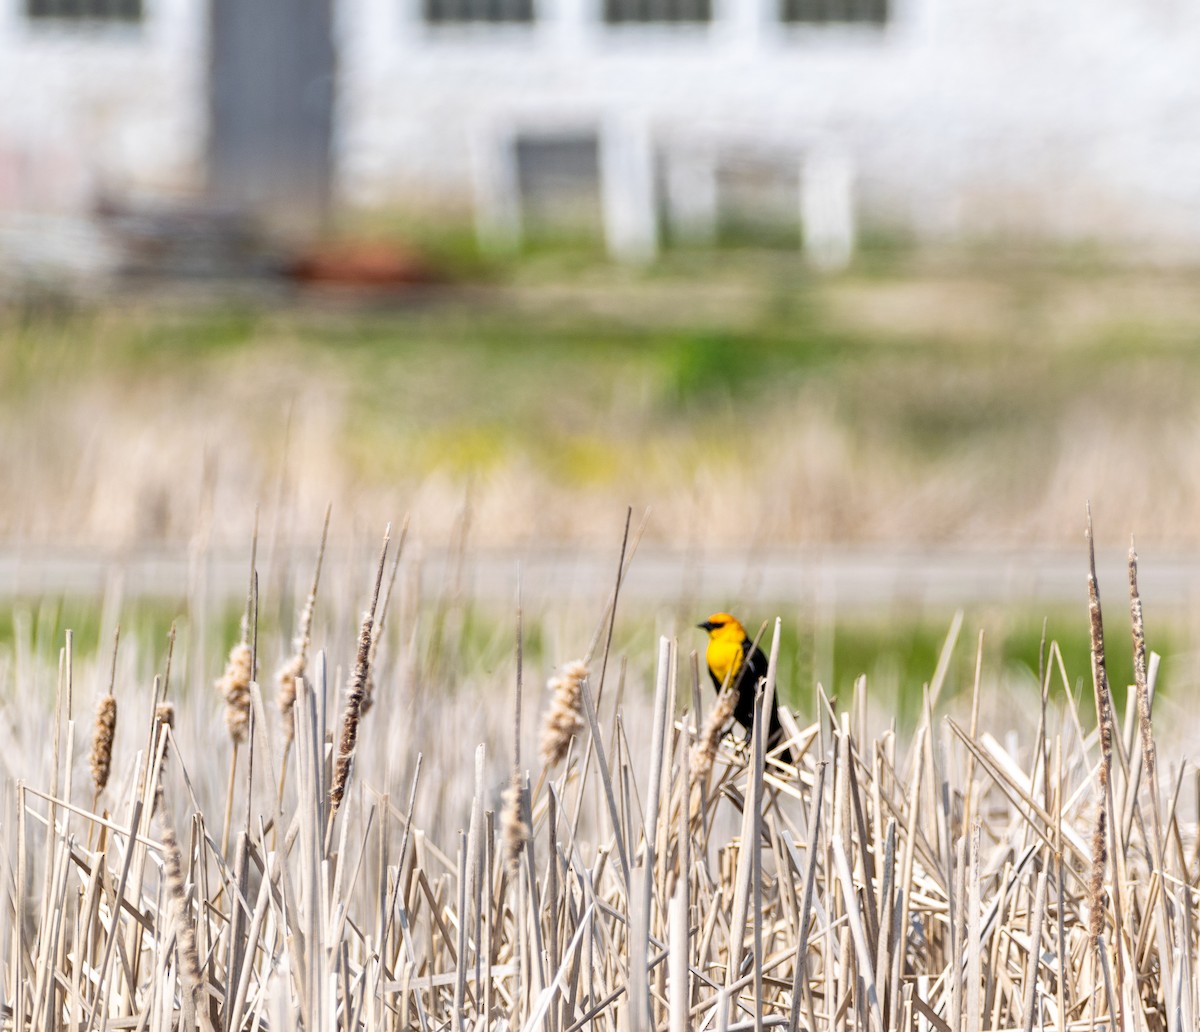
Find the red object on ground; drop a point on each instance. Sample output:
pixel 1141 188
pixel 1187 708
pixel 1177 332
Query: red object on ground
pixel 365 264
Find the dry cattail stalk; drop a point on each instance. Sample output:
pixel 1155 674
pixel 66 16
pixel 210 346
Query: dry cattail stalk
pixel 1096 894
pixel 234 686
pixel 356 693
pixel 710 734
pixel 295 668
pixel 185 932
pixel 563 719
pixel 164 716
pixel 369 694
pixel 354 710
pixel 234 683
pixel 513 829
pixel 1139 669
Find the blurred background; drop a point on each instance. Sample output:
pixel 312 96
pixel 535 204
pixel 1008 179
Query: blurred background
pixel 856 303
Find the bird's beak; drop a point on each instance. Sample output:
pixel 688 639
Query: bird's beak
pixel 706 626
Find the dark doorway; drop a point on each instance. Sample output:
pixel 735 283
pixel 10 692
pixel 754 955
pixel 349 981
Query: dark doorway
pixel 558 177
pixel 271 93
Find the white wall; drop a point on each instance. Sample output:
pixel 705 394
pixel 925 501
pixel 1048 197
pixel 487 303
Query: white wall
pixel 1080 118
pixel 89 109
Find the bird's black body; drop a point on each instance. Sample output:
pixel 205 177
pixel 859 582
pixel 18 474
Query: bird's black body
pixel 752 670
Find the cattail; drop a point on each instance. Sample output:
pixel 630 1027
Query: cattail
pixel 1096 878
pixel 368 699
pixel 357 690
pixel 710 734
pixel 563 719
pixel 164 716
pixel 381 623
pixel 105 726
pixel 514 831
pixel 102 740
pixel 287 676
pixel 234 686
pixel 185 933
pixel 294 668
pixel 1105 724
pixel 1139 669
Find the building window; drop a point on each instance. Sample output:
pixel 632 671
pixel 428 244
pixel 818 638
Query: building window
pixel 85 10
pixel 628 12
pixel 495 12
pixel 834 12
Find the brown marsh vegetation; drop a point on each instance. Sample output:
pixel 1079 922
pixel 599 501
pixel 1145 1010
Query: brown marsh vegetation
pixel 354 847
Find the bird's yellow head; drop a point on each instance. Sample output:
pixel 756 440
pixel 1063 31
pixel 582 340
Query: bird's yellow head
pixel 723 627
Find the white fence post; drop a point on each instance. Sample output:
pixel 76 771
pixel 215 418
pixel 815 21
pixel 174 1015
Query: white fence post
pixel 827 207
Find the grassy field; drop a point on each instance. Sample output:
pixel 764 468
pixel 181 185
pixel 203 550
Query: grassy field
pixel 746 402
pixel 975 833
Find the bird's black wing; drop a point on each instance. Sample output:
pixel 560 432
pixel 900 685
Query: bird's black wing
pixel 754 669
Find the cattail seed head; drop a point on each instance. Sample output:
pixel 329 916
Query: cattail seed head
pixel 710 734
pixel 102 741
pixel 563 719
pixel 357 691
pixel 234 686
pixel 164 713
pixel 185 932
pixel 356 694
pixel 164 716
pixel 1104 720
pixel 1137 623
pixel 1096 893
pixel 295 668
pixel 513 829
pixel 287 676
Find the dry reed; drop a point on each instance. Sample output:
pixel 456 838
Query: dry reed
pixel 845 897
pixel 711 733
pixel 1096 894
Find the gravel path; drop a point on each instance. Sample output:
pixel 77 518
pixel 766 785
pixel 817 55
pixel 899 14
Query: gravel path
pixel 841 577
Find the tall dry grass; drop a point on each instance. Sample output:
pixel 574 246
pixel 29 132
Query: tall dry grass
pixel 647 874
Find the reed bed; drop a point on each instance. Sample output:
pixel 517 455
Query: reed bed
pixel 634 870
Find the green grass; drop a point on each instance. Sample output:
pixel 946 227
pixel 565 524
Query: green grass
pixel 717 367
pixel 896 652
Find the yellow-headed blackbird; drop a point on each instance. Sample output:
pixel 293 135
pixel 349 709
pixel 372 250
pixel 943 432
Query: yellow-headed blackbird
pixel 732 655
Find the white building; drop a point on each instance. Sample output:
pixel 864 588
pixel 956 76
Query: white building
pixel 1078 121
